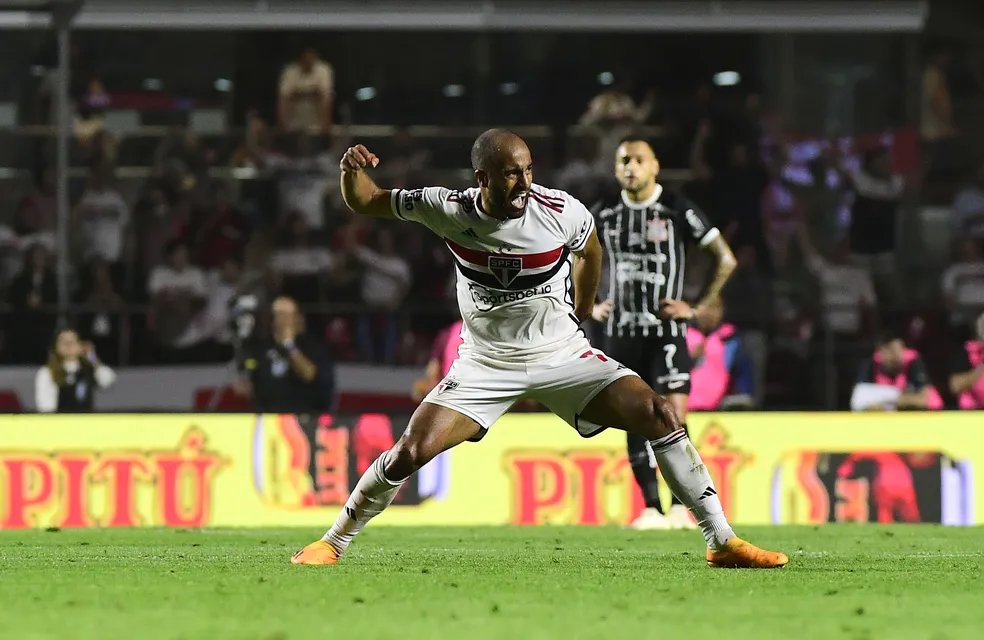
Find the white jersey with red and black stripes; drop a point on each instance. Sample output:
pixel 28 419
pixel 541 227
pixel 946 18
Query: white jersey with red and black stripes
pixel 514 283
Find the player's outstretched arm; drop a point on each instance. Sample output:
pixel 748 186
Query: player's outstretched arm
pixel 587 276
pixel 360 193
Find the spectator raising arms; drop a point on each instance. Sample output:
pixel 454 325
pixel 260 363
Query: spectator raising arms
pixel 66 384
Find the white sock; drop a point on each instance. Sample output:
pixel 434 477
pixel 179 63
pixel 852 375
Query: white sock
pixel 371 495
pixel 687 477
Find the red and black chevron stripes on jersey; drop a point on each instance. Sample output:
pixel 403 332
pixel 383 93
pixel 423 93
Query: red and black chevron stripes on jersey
pixel 549 202
pixel 481 258
pixel 507 269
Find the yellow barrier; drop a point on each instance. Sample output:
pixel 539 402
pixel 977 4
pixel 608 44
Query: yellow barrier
pixel 243 470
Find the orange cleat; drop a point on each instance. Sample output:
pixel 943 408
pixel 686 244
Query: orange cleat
pixel 319 552
pixel 738 554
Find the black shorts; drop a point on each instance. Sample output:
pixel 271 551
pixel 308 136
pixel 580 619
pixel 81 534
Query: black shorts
pixel 663 363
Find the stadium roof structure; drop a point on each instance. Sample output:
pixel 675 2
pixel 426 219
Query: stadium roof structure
pixel 484 15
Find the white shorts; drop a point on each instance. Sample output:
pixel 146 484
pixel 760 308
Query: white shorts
pixel 485 389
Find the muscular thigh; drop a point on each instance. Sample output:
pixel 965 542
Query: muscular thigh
pixel 434 428
pixel 631 405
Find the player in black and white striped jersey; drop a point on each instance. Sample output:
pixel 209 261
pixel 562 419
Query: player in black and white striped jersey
pixel 646 233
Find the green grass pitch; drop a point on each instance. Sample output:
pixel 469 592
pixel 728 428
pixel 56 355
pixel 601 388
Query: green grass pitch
pixel 857 582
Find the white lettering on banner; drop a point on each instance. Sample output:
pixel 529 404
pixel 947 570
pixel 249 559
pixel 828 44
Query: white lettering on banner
pixel 173 389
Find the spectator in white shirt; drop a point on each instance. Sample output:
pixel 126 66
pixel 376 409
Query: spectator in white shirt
pixel 386 281
pixel 963 284
pixel 103 216
pixel 211 327
pixel 306 88
pixel 301 262
pixel 177 291
pixel 847 293
pixel 66 384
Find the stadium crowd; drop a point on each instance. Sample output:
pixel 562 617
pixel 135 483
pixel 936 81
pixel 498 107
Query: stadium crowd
pixel 815 223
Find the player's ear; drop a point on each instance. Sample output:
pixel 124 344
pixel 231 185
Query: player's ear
pixel 482 178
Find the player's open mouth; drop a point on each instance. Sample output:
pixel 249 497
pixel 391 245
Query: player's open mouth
pixel 519 201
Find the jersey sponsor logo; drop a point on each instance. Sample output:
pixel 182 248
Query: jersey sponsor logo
pixel 505 269
pixel 656 231
pixel 411 198
pixel 486 300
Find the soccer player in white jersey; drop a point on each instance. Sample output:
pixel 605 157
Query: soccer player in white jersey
pixel 513 242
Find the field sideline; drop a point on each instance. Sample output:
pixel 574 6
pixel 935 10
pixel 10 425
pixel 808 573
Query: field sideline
pixel 858 582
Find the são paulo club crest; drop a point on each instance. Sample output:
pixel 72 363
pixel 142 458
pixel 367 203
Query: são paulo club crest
pixel 505 269
pixel 448 384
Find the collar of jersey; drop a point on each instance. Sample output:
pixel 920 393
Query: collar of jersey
pixel 657 192
pixel 485 214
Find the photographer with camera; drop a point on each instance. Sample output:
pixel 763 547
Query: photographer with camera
pixel 287 371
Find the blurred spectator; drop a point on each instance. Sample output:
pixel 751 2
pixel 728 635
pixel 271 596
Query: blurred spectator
pixel 615 106
pixel 210 330
pixel 158 222
pixel 963 285
pixel 181 161
pixel 748 302
pixel 781 213
pixel 967 369
pixel 90 110
pixel 874 219
pixel 224 231
pixel 67 383
pixel 38 212
pixel 306 176
pixel 405 161
pixel 722 374
pixel 385 283
pixel 301 262
pixel 967 215
pixel 895 377
pixel 614 115
pixel 305 94
pixel 30 325
pixel 178 291
pixel 937 123
pixel 738 188
pixel 847 294
pixel 257 145
pixel 100 321
pixel 103 217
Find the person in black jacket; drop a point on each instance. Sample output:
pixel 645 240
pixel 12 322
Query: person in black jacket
pixel 288 371
pixel 67 383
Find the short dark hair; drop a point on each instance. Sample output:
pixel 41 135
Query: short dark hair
pixel 487 145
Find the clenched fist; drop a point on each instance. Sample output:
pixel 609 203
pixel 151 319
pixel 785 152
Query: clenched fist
pixel 357 158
